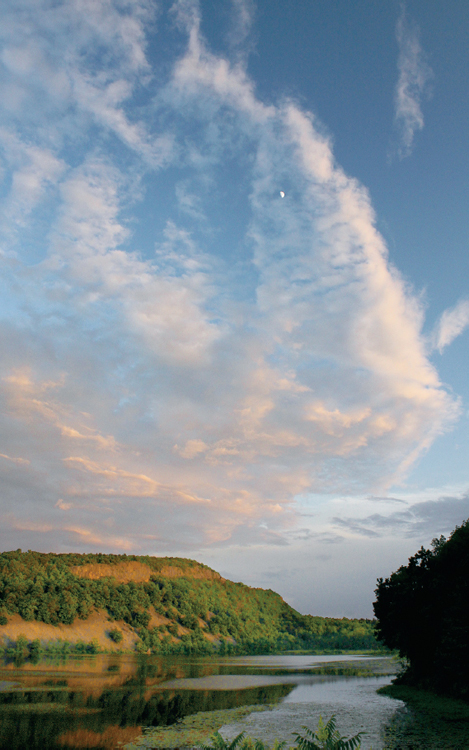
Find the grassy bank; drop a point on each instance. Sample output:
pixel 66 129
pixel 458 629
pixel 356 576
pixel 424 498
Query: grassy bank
pixel 427 721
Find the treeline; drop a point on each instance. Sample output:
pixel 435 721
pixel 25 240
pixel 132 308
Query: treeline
pixel 199 612
pixel 422 612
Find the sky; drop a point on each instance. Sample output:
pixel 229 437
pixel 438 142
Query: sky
pixel 234 289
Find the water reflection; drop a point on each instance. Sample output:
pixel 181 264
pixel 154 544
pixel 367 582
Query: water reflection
pixel 353 700
pixel 98 702
pixel 103 701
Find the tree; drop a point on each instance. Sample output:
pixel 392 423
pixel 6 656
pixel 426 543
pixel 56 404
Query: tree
pixel 421 612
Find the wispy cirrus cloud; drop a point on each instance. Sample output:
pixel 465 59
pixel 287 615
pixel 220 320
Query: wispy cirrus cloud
pixel 190 351
pixel 412 84
pixel 241 27
pixel 450 325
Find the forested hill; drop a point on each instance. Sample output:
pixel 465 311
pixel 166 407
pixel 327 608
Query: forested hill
pixel 173 604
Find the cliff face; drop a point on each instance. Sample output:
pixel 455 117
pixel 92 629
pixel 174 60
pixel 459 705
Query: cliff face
pixel 132 570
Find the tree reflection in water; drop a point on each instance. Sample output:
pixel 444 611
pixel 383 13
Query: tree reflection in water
pixel 54 717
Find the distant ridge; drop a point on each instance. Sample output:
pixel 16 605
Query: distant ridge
pixel 155 604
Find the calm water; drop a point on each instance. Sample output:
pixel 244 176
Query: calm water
pixel 102 702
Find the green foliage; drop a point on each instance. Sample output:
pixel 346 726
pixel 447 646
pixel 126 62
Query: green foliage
pixel 438 706
pixel 239 743
pixel 421 612
pixel 326 737
pixel 42 587
pixel 427 721
pixel 21 649
pixel 35 650
pixel 116 635
pixel 220 744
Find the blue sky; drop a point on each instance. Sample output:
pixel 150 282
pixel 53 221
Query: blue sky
pixel 234 298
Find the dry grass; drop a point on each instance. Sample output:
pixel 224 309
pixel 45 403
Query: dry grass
pixel 96 626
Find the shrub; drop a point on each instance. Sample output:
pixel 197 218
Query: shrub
pixel 116 635
pixel 35 650
pixel 93 646
pixel 21 645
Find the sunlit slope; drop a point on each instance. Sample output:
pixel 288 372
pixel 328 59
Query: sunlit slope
pixel 170 604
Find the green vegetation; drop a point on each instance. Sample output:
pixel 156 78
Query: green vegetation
pixel 193 730
pixel 422 612
pixel 23 649
pixel 202 614
pixel 116 635
pixel 189 730
pixel 326 737
pixel 427 721
pixel 239 743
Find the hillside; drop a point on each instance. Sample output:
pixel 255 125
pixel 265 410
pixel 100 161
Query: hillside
pixel 161 604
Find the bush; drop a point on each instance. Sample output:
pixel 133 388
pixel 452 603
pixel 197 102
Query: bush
pixel 93 646
pixel 116 635
pixel 21 646
pixel 35 650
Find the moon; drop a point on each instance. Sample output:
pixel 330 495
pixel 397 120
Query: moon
pixel 282 194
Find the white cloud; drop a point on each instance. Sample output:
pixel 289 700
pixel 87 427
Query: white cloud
pixel 192 351
pixel 34 173
pixel 412 85
pixel 451 324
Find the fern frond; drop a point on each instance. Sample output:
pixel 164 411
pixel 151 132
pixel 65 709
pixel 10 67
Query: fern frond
pixel 218 743
pixel 326 737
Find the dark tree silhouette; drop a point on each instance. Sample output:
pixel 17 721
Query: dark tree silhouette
pixel 421 611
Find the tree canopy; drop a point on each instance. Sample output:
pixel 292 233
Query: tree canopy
pixel 421 611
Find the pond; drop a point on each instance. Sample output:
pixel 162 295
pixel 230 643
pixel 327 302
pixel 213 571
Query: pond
pixel 106 701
